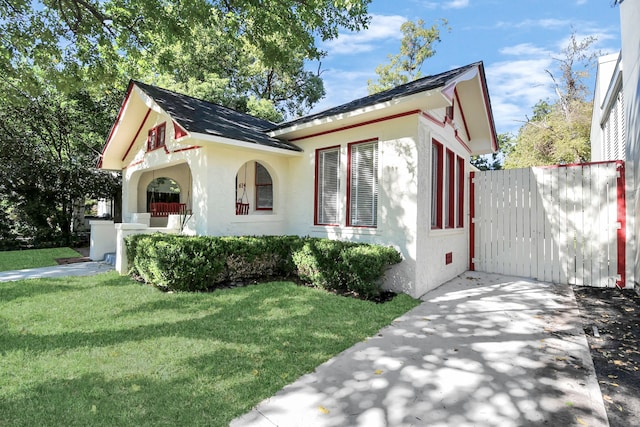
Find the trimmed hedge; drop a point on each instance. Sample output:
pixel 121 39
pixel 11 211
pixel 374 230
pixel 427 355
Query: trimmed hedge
pixel 183 263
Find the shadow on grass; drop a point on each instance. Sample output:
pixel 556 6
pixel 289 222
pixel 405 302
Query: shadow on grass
pixel 200 359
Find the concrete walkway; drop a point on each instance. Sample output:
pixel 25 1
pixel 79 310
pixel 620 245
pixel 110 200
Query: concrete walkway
pixel 482 350
pixel 77 269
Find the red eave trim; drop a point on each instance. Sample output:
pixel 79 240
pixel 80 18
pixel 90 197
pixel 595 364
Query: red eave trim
pixel 464 120
pixel 568 165
pixel 622 219
pixel 442 125
pixel 113 128
pixel 487 104
pixel 193 147
pixel 381 119
pixel 137 133
pixel 178 131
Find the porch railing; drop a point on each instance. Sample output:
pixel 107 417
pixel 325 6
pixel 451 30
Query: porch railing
pixel 161 209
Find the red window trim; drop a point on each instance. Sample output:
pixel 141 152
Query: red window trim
pixel 262 185
pixel 460 223
pixel 154 135
pixel 315 188
pixel 439 183
pixel 349 146
pixel 451 164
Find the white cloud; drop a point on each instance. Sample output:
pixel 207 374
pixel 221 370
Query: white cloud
pixel 456 4
pixel 581 2
pixel 382 27
pixel 515 87
pixel 451 4
pixel 524 49
pixel 549 23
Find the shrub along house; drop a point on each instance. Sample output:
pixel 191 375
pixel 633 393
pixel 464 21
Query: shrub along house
pixel 390 168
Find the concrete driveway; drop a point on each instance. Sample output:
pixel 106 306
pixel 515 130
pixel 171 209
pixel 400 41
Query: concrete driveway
pixel 76 269
pixel 481 350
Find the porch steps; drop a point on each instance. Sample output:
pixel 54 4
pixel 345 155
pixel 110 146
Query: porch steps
pixel 110 258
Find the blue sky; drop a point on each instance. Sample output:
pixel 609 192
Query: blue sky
pixel 517 40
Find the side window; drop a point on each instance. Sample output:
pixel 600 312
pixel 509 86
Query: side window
pixel 156 137
pixel 327 186
pixel 436 183
pixel 460 192
pixel 362 203
pixel 264 188
pixel 449 190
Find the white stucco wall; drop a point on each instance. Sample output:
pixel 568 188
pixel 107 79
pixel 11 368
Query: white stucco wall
pixel 433 245
pixel 629 18
pixel 404 198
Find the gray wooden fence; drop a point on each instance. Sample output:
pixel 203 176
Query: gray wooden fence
pixel 563 224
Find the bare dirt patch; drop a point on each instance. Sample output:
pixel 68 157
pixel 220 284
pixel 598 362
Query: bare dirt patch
pixel 611 321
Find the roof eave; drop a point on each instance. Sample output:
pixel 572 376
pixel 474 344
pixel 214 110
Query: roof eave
pixel 243 144
pixel 360 112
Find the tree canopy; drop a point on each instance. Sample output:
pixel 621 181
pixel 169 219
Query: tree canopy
pixel 417 46
pixel 558 131
pixel 66 64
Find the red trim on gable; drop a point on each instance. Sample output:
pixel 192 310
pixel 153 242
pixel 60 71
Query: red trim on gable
pixel 464 144
pixel 487 105
pixel 136 135
pixel 132 164
pixel 622 219
pixel 178 131
pixel 442 125
pixel 381 119
pixel 433 119
pixel 113 128
pixel 193 147
pixel 464 120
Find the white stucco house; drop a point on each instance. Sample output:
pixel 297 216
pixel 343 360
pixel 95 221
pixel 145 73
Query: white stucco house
pixel 390 168
pixel 615 125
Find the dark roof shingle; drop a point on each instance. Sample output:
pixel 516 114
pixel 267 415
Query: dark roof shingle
pixel 199 116
pixel 416 86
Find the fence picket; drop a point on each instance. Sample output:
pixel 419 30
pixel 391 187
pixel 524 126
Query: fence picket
pixel 553 224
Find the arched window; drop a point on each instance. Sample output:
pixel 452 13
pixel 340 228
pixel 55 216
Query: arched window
pixel 254 189
pixel 264 188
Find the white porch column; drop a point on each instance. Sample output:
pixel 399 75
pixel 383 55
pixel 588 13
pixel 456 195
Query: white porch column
pixel 103 239
pixel 123 230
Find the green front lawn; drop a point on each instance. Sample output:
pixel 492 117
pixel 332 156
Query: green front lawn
pixel 31 258
pixel 107 351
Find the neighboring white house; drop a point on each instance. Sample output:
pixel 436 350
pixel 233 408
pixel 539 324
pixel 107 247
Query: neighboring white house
pixel 615 126
pixel 608 140
pixel 390 168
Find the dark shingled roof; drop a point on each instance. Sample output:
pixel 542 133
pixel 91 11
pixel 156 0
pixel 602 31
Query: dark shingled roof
pixel 416 86
pixel 199 116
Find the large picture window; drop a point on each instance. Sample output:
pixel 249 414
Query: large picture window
pixel 327 186
pixel 264 188
pixel 362 203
